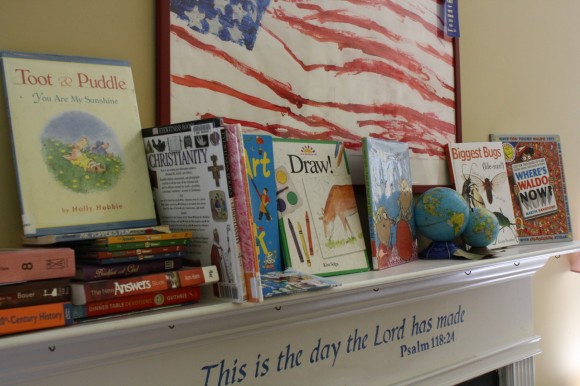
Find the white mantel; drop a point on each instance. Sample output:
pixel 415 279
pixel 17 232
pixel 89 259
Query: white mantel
pixel 313 338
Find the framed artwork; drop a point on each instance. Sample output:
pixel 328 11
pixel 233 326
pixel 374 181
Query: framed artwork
pixel 336 70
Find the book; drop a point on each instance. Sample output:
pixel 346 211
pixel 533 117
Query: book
pixel 288 282
pixel 75 133
pixel 146 301
pixel 243 211
pixel 122 239
pixel 538 187
pixel 91 291
pixel 96 255
pixel 88 272
pixel 34 292
pixel 26 264
pixel 313 183
pixel 260 175
pixel 91 235
pixel 193 192
pixel 388 185
pixel 87 248
pixel 478 171
pixel 37 317
pixel 133 259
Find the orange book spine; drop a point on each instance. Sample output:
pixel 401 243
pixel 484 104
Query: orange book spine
pixel 146 237
pixel 21 319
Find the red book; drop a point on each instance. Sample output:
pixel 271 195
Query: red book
pixel 36 264
pixel 137 302
pixel 20 319
pixel 129 252
pixel 92 291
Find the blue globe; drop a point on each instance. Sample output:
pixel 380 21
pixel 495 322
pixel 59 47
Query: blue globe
pixel 482 228
pixel 441 214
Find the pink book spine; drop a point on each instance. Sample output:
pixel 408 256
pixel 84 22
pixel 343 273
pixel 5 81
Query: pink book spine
pixel 244 213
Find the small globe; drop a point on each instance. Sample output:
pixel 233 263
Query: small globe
pixel 441 214
pixel 482 228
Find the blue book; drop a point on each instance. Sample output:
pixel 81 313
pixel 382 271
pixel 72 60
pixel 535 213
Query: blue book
pixel 260 171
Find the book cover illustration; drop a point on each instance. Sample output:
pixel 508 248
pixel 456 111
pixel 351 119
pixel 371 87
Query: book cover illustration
pixel 277 283
pixel 261 176
pixel 75 134
pixel 193 192
pixel 243 211
pixel 320 228
pixel 538 187
pixel 479 172
pixel 393 238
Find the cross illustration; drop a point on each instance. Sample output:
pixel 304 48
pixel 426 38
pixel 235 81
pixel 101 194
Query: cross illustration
pixel 215 170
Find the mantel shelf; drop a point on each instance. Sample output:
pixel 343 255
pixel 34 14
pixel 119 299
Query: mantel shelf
pixel 104 341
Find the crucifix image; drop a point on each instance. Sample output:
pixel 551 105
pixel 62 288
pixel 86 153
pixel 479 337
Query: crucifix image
pixel 215 169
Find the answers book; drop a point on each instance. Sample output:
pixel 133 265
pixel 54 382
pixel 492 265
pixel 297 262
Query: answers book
pixel 77 148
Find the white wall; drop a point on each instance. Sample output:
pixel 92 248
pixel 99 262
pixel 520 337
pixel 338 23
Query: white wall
pixel 519 74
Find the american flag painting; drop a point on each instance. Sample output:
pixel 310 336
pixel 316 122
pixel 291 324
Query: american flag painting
pixel 333 69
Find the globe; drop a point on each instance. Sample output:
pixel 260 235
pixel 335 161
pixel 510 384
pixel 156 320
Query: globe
pixel 482 228
pixel 441 214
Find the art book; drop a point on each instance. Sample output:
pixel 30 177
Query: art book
pixel 320 230
pixel 189 170
pixel 538 188
pixel 78 152
pixel 388 183
pixel 478 171
pixel 261 177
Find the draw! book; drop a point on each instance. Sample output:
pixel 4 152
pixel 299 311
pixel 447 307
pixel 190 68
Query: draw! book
pixel 538 187
pixel 320 227
pixel 77 146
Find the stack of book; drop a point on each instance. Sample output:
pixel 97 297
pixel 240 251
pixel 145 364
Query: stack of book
pixel 119 274
pixel 35 290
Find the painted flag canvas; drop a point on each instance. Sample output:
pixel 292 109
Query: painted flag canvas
pixel 332 70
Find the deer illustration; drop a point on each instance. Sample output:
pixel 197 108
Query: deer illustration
pixel 340 203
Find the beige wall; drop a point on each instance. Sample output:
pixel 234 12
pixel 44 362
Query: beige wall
pixel 519 74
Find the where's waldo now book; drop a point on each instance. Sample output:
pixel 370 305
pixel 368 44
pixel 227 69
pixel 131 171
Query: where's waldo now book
pixel 77 147
pixel 261 176
pixel 320 229
pixel 389 193
pixel 538 187
pixel 478 171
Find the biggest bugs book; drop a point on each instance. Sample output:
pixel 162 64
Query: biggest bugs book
pixel 320 228
pixel 77 147
pixel 538 187
pixel 478 171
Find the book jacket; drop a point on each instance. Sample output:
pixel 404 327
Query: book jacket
pixel 189 169
pixel 478 171
pixel 393 238
pixel 243 206
pixel 320 229
pixel 538 187
pixel 76 138
pixel 260 173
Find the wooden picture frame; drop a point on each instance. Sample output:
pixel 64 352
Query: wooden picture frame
pixel 383 70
